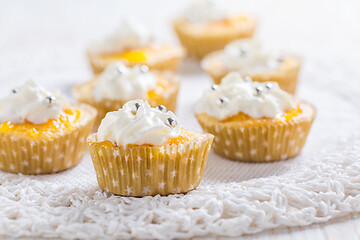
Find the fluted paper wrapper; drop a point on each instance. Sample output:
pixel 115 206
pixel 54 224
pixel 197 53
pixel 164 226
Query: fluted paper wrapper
pixel 286 77
pixel 265 143
pixel 148 171
pixel 19 154
pixel 98 64
pixel 199 46
pixel 169 100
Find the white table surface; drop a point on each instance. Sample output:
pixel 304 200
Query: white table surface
pixel 32 33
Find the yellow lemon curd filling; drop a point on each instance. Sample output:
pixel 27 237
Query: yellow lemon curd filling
pixel 65 122
pixel 134 56
pixel 161 86
pixel 245 119
pixel 184 137
pixel 140 55
pixel 228 22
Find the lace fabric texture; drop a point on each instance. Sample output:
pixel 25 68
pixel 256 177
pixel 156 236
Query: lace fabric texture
pixel 310 193
pixel 234 198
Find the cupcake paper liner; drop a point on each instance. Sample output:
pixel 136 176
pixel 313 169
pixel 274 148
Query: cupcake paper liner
pixel 148 171
pixel 287 77
pixel 98 64
pixel 20 154
pixel 169 100
pixel 198 46
pixel 263 143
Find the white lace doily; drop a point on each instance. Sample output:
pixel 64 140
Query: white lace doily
pixel 234 198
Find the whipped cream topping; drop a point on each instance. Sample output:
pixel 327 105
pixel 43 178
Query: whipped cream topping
pixel 121 82
pixel 247 55
pixel 138 123
pixel 32 103
pixel 236 94
pixel 205 11
pixel 129 35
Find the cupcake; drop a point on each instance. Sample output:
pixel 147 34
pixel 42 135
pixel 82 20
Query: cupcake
pixel 205 27
pixel 133 44
pixel 142 151
pixel 250 58
pixel 254 121
pixel 118 84
pixel 40 132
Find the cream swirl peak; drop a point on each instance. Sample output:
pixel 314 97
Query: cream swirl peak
pixel 236 94
pixel 138 123
pixel 250 56
pixel 121 82
pixel 205 11
pixel 129 35
pixel 32 103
